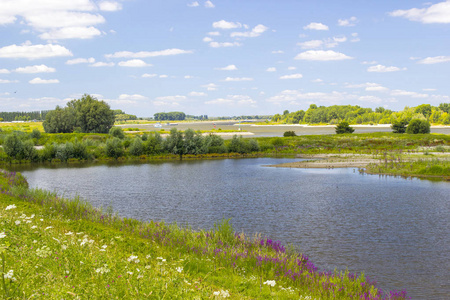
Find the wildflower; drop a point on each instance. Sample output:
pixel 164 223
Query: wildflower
pixel 222 293
pixel 148 267
pixel 128 272
pixel 180 269
pixel 69 233
pixel 148 256
pixel 104 246
pixel 49 227
pixel 140 276
pixel 43 252
pixel 64 247
pixel 103 269
pixel 10 275
pixel 12 206
pixel 17 222
pixel 133 258
pixel 33 227
pixel 270 282
pixel 42 220
pixel 2 235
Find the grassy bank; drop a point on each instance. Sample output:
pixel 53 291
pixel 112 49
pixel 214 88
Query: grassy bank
pixel 54 248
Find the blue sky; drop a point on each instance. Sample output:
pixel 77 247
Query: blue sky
pixel 223 57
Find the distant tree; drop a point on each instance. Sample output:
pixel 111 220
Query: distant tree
pixel 114 148
pixel 445 107
pixel 214 144
pixel 136 148
pixel 418 126
pixel 424 109
pixel 193 142
pixel 344 127
pixel 399 126
pixel 116 132
pixel 13 146
pixel 59 120
pixel 175 143
pixel 35 134
pixel 29 152
pixel 277 143
pixel 289 133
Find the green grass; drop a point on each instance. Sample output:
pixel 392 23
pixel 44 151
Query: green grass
pixel 435 167
pixel 54 248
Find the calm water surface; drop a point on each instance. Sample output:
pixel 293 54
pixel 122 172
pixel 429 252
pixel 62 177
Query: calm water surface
pixel 396 230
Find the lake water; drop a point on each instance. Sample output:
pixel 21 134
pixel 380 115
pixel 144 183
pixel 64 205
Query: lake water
pixel 395 230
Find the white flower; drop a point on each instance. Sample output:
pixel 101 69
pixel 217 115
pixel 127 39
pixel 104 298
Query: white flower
pixel 10 275
pixel 49 227
pixel 2 235
pixel 140 276
pixel 148 267
pixel 43 252
pixel 222 293
pixel 128 272
pixel 148 256
pixel 180 269
pixel 133 258
pixel 69 233
pixel 42 220
pixel 33 227
pixel 104 246
pixel 12 206
pixel 64 247
pixel 270 282
pixel 103 269
pixel 17 222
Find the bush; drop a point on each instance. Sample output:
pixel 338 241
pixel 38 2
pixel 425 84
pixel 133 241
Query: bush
pixel 399 126
pixel 289 133
pixel 114 148
pixel 136 147
pixel 418 126
pixel 344 127
pixel 35 134
pixel 116 132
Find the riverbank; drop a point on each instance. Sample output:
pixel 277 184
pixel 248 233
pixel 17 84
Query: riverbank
pixel 58 248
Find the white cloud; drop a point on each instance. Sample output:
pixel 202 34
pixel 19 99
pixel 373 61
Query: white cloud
pixel 109 6
pixel 373 62
pixel 348 22
pixel 292 76
pixel 207 39
pixel 7 81
pixel 371 99
pixel 376 88
pixel 232 100
pixel 225 44
pixel 35 69
pixel 71 33
pixel 209 4
pixel 407 93
pixel 311 44
pixel 292 68
pixel 38 80
pixel 188 77
pixel 102 64
pixel 197 94
pixel 368 86
pixel 277 52
pixel 134 63
pixel 429 90
pixel 144 54
pixel 169 100
pixel 222 24
pixel 210 86
pixel 436 13
pixel 238 79
pixel 297 97
pixel 383 69
pixel 271 69
pixel 146 75
pixel 214 33
pixel 34 51
pixel 163 76
pixel 4 71
pixel 318 80
pixel 321 55
pixel 132 97
pixel 255 32
pixel 75 61
pixel 316 26
pixel 228 68
pixel 435 60
pixel 194 4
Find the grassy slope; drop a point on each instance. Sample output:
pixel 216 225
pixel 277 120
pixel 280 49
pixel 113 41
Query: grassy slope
pixel 59 248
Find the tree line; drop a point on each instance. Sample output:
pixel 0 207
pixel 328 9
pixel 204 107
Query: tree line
pixel 170 116
pixel 23 116
pixel 355 114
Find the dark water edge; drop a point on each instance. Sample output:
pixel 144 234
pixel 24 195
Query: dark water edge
pixel 394 229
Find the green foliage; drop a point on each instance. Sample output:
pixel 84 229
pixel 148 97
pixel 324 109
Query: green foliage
pixel 13 146
pixel 344 127
pixel 87 113
pixel 214 144
pixel 277 142
pixel 175 143
pixel 136 148
pixel 418 126
pixel 154 144
pixel 36 134
pixel 399 126
pixel 170 116
pixel 242 146
pixel 289 133
pixel 117 132
pixel 114 148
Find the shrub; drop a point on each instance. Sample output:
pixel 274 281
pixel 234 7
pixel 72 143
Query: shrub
pixel 136 147
pixel 399 126
pixel 116 132
pixel 289 133
pixel 35 134
pixel 344 127
pixel 418 126
pixel 114 148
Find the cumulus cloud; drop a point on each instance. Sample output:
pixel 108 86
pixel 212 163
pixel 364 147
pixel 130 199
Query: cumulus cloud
pixel 214 33
pixel 436 13
pixel 255 32
pixel 4 71
pixel 435 60
pixel 238 79
pixel 210 86
pixel 297 97
pixel 109 6
pixel 144 54
pixel 134 63
pixel 371 99
pixel 209 4
pixel 146 75
pixel 35 69
pixel 313 44
pixel 383 69
pixel 194 4
pixel 321 55
pixel 348 22
pixel 132 97
pixel 207 39
pixel 228 68
pixel 277 52
pixel 224 44
pixel 198 94
pixel 38 80
pixel 76 61
pixel 232 100
pixel 7 81
pixel 172 101
pixel 222 24
pixel 271 69
pixel 318 80
pixel 34 51
pixel 102 64
pixel 409 94
pixel 71 33
pixel 292 76
pixel 316 26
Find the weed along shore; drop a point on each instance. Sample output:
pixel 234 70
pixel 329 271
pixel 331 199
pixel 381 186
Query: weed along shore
pixel 57 248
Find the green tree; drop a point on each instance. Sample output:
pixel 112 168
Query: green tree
pixel 175 143
pixel 214 144
pixel 136 148
pixel 35 134
pixel 424 109
pixel 13 146
pixel 399 126
pixel 116 132
pixel 418 126
pixel 344 127
pixel 59 120
pixel 114 148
